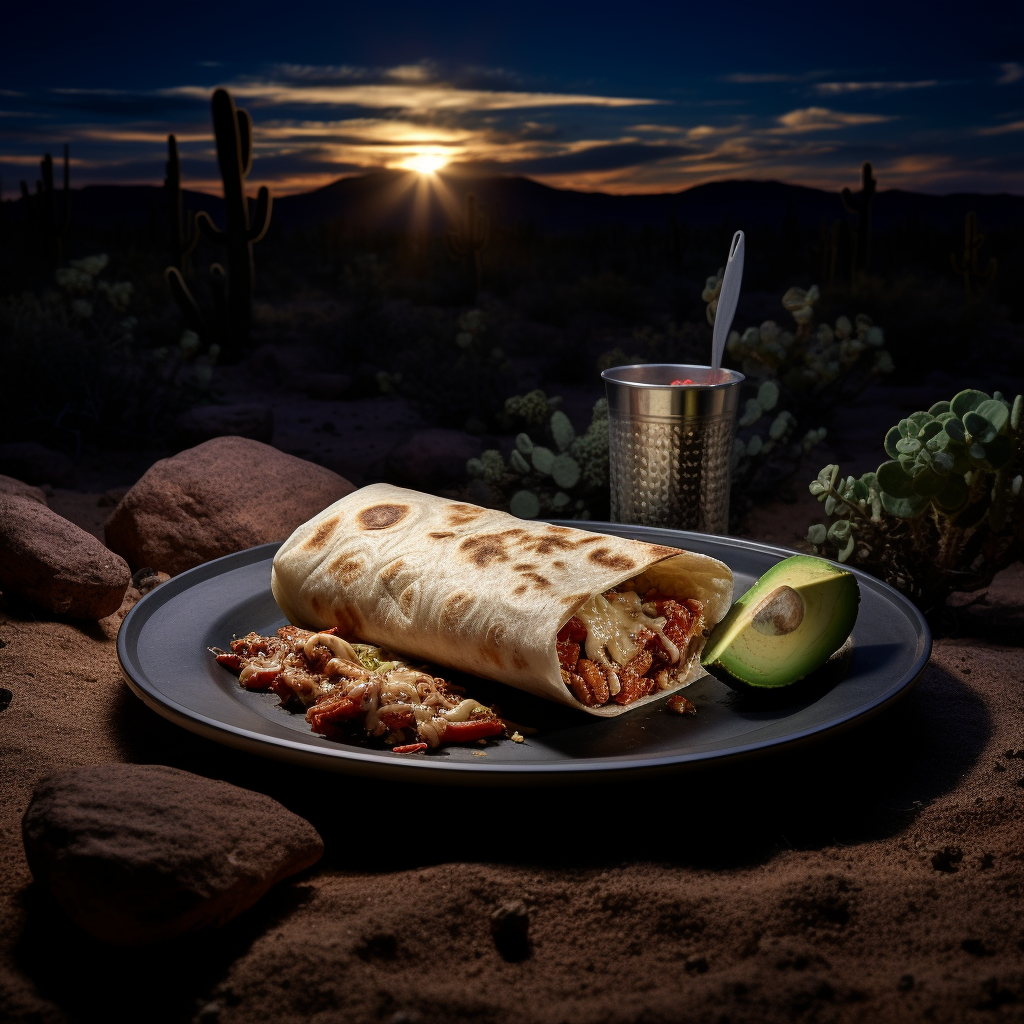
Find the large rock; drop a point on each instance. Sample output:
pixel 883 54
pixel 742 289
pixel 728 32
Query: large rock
pixel 140 853
pixel 208 421
pixel 54 564
pixel 10 486
pixel 432 458
pixel 36 464
pixel 222 496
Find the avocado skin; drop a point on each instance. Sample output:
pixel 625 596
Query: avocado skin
pixel 816 580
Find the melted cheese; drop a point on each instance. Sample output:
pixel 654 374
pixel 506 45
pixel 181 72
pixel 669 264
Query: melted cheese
pixel 612 622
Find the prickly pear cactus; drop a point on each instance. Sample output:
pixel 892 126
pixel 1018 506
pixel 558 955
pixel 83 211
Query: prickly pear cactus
pixel 565 478
pixel 945 512
pixel 795 379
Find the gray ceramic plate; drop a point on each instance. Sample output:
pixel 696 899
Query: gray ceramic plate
pixel 162 649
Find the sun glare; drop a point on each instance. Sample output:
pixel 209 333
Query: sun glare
pixel 425 163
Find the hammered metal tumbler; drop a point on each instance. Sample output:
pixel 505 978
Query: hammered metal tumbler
pixel 670 446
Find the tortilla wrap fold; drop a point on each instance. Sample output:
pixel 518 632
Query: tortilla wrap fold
pixel 473 588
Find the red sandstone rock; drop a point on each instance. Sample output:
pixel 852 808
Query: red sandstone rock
pixel 226 495
pixel 10 486
pixel 49 562
pixel 140 853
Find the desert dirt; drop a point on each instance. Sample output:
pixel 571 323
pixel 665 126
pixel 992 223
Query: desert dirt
pixel 873 876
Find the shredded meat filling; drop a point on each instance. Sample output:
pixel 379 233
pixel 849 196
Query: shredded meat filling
pixel 660 659
pixel 378 696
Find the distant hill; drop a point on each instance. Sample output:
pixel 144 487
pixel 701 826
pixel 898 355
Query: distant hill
pixel 389 201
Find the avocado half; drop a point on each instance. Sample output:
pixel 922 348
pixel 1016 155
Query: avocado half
pixel 789 623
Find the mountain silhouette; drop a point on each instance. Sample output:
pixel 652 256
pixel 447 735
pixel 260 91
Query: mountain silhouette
pixel 391 201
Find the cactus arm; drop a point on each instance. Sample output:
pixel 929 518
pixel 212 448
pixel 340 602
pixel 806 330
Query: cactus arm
pixel 261 219
pixel 245 141
pixel 185 302
pixel 849 203
pixel 209 230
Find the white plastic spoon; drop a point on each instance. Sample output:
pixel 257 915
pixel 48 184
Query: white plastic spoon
pixel 726 309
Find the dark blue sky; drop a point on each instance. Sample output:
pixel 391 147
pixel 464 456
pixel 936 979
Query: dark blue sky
pixel 623 97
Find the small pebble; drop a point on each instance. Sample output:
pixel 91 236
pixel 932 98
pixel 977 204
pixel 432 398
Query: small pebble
pixel 5 698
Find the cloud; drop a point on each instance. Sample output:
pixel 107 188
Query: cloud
pixel 1012 71
pixel 816 119
pixel 402 96
pixel 1003 129
pixel 744 78
pixel 835 88
pixel 598 158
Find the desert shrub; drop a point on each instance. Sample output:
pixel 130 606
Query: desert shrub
pixel 945 513
pixel 565 477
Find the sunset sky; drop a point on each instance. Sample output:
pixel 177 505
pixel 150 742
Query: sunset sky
pixel 620 97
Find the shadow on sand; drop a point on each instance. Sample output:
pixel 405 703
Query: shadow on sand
pixel 845 788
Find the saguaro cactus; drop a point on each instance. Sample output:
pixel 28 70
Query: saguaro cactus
pixel 41 210
pixel 861 205
pixel 975 280
pixel 182 231
pixel 233 289
pixel 470 238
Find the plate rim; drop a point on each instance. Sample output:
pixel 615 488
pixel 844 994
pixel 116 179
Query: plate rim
pixel 386 764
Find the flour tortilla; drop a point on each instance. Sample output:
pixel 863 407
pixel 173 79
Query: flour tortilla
pixel 472 588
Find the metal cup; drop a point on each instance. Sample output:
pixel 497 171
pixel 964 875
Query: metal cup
pixel 670 446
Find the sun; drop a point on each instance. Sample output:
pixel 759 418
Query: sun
pixel 426 163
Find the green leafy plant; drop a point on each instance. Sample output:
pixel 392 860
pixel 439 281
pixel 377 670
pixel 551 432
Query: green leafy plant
pixel 944 513
pixel 567 477
pixel 794 381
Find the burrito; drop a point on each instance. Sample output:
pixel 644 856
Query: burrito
pixel 597 622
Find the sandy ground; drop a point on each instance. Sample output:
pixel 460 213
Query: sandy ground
pixel 872 877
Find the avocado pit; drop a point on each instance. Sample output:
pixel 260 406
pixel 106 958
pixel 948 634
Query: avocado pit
pixel 779 613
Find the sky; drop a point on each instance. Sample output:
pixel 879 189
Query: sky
pixel 624 97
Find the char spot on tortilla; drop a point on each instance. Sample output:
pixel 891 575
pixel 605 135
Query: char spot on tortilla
pixel 314 603
pixel 454 610
pixel 440 535
pixel 558 563
pixel 545 545
pixel 524 567
pixel 520 590
pixel 574 600
pixel 406 599
pixel 539 582
pixel 348 621
pixel 662 551
pixel 319 537
pixel 459 514
pixel 380 517
pixel 518 661
pixel 391 570
pixel 485 548
pixel 604 557
pixel 347 570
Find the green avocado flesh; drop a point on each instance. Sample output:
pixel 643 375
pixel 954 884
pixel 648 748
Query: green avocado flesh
pixel 789 623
